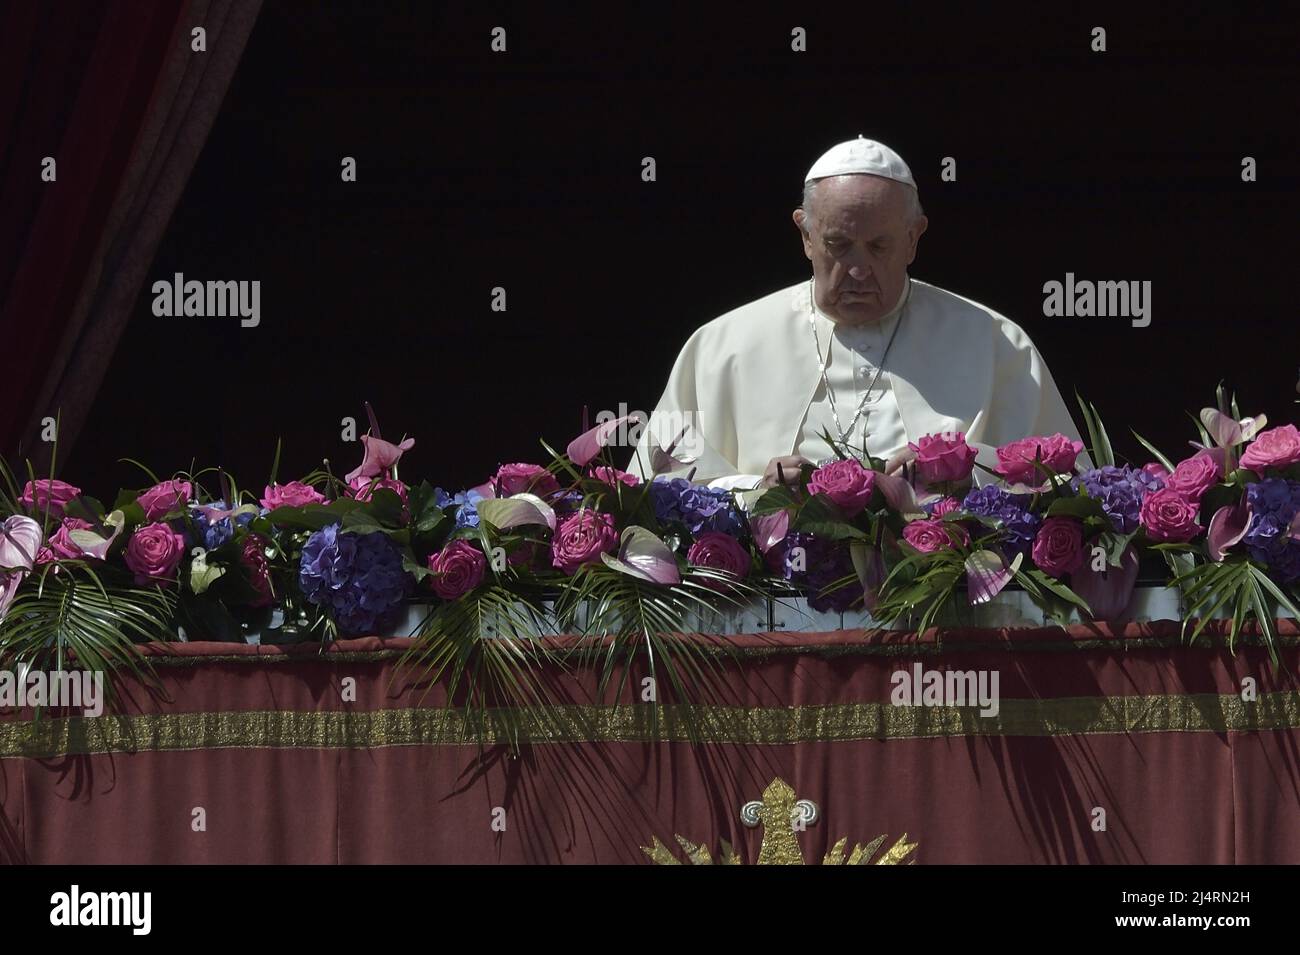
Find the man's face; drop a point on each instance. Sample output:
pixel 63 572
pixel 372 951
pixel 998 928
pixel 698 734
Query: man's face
pixel 860 244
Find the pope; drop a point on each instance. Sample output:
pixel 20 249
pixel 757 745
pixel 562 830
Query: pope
pixel 860 351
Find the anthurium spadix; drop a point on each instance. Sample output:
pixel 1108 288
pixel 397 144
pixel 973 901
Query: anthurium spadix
pixel 20 540
pixel 92 543
pixel 987 573
pixel 585 447
pixel 504 513
pixel 642 554
pixel 1227 528
pixel 379 457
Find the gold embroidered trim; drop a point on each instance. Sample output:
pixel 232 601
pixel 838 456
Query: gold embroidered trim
pixel 279 729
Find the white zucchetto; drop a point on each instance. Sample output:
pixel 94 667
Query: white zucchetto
pixel 861 156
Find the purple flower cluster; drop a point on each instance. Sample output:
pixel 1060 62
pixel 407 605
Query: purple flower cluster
pixel 700 508
pixel 213 529
pixel 357 577
pixel 466 503
pixel 1120 490
pixel 1273 506
pixel 1019 525
pixel 823 563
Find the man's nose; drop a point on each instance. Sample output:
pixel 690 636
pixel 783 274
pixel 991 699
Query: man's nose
pixel 859 272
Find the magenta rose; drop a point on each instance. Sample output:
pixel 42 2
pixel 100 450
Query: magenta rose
pixel 847 483
pixel 47 491
pixel 1193 477
pixel 1058 547
pixel 517 478
pixel 252 555
pixel 61 542
pixel 153 553
pixel 1274 448
pixel 945 506
pixel 940 459
pixel 1169 517
pixel 721 552
pixel 458 569
pixel 1156 469
pixel 610 475
pixel 929 536
pixel 293 494
pixel 165 497
pixel 581 538
pixel 363 488
pixel 1016 460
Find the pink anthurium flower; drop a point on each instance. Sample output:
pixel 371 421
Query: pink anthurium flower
pixel 9 584
pixel 380 456
pixel 870 566
pixel 770 529
pixel 663 459
pixel 584 448
pixel 20 541
pixel 642 554
pixel 987 573
pixel 1227 528
pixel 94 544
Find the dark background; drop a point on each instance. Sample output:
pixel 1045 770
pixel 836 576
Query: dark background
pixel 523 170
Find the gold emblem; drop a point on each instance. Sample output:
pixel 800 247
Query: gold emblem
pixel 782 816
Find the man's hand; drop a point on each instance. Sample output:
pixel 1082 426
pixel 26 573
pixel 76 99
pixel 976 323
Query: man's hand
pixel 896 463
pixel 789 468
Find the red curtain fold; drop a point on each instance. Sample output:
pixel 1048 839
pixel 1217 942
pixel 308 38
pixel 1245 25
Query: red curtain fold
pixel 117 96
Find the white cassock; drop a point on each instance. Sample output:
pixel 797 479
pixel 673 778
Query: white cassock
pixel 747 386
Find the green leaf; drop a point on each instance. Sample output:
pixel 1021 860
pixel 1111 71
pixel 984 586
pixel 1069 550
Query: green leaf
pixel 777 498
pixel 1169 465
pixel 1080 507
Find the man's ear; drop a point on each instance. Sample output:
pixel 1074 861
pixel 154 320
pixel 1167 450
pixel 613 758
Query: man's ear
pixel 799 218
pixel 914 235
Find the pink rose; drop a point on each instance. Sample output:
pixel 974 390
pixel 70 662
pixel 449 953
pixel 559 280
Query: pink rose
pixel 517 478
pixel 847 483
pixel 1058 547
pixel 459 568
pixel 1169 517
pixel 62 544
pixel 929 536
pixel 1016 460
pixel 1274 448
pixel 154 552
pixel 610 475
pixel 47 491
pixel 1156 469
pixel 165 497
pixel 364 488
pixel 1193 477
pixel 293 494
pixel 945 506
pixel 581 538
pixel 721 552
pixel 943 459
pixel 253 556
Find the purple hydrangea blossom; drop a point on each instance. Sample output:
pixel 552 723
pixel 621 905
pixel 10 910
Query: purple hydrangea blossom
pixel 465 502
pixel 1120 490
pixel 699 508
pixel 213 533
pixel 358 578
pixel 1273 506
pixel 823 563
pixel 1019 525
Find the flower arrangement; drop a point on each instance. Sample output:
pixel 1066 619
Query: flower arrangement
pixel 579 546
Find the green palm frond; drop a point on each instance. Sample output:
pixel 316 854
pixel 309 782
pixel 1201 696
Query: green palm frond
pixel 72 616
pixel 487 646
